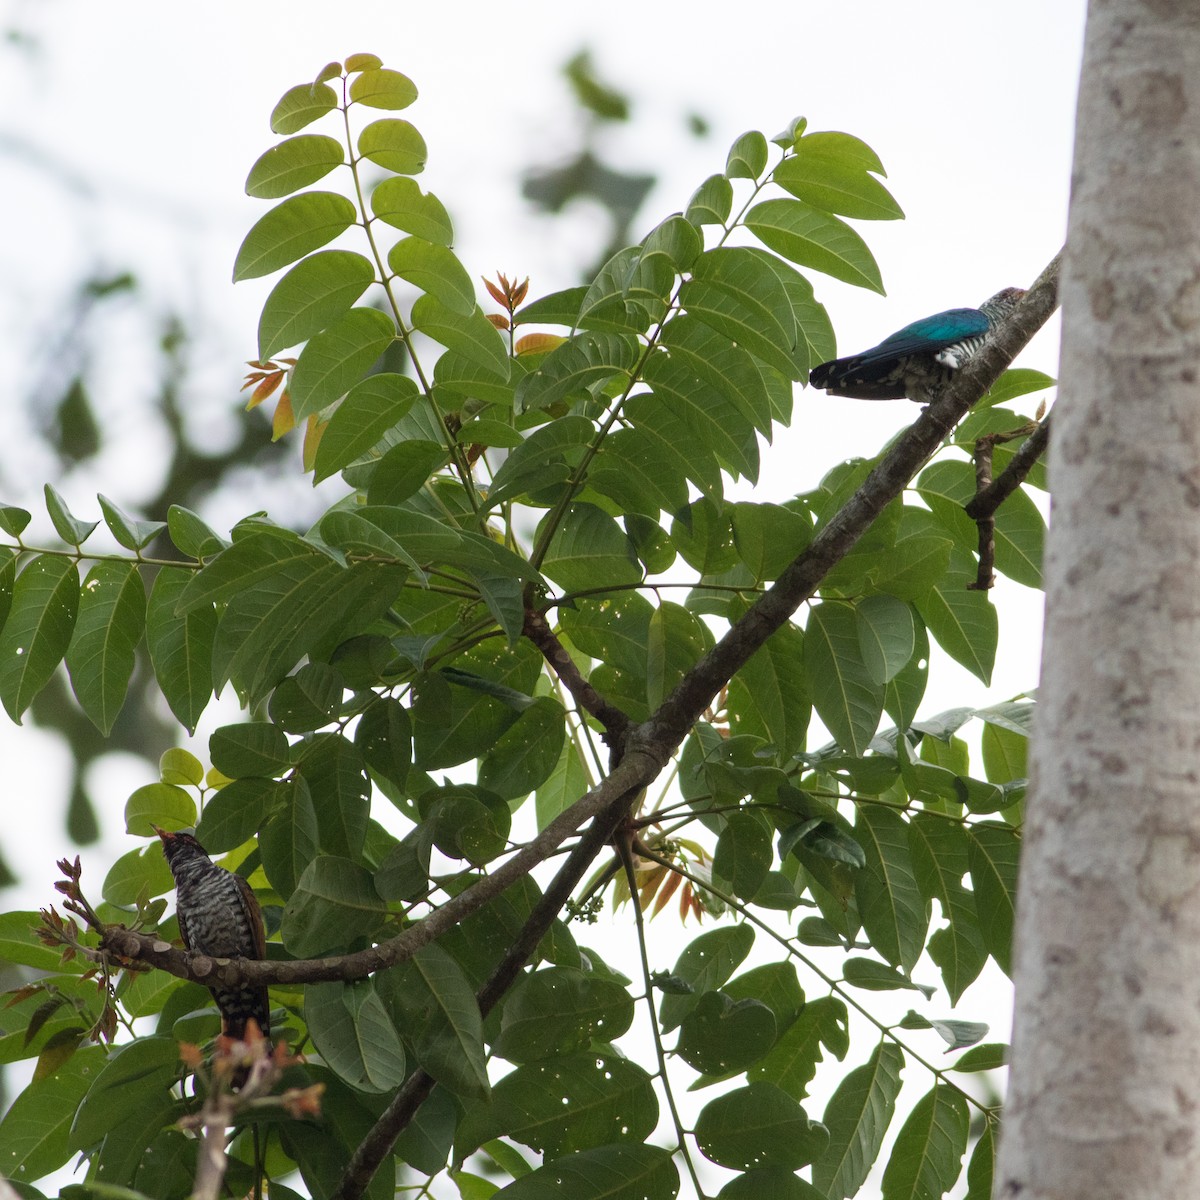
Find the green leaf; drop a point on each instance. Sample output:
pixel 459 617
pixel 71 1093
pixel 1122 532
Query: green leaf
pixel 38 630
pixel 473 336
pixel 927 1157
pixel 180 647
pixel 150 1063
pixel 315 294
pixel 565 784
pixel 957 1034
pixel 964 623
pixel 1016 381
pixel 404 470
pixel 821 175
pixel 334 903
pixel 309 699
pixel 236 813
pixel 384 738
pixel 526 752
pixel 191 535
pixel 291 230
pixel 163 804
pixel 130 533
pixel 989 1057
pixel 721 363
pixel 336 776
pixel 949 485
pixel 886 635
pixel 747 158
pixel 677 640
pixel 558 308
pixel 559 1009
pixel 292 165
pixel 135 872
pixel 401 203
pixel 13 520
pixel 706 963
pixel 734 292
pixel 982 1165
pixel 466 821
pixel 395 145
pixel 723 1036
pixel 811 238
pixel 893 911
pixel 847 699
pixel 431 996
pixel 744 853
pixel 289 840
pixel 336 359
pixel 993 852
pixel 919 557
pixel 617 1172
pixel 714 421
pixel 1005 754
pixel 68 527
pixel 367 412
pixel 353 1033
pixel 542 459
pixel 769 1183
pixel 21 946
pixel 874 976
pixel 767 697
pixel 112 618
pixel 302 105
pixel 939 853
pixel 581 366
pixel 857 1117
pixel 558 1105
pixel 252 748
pixel 588 550
pixel 758 1125
pixel 382 88
pixel 34 1133
pixel 792 1062
pixel 711 202
pixel 434 269
pixel 816 340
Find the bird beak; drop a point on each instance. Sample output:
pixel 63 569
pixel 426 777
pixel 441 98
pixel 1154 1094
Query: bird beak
pixel 162 833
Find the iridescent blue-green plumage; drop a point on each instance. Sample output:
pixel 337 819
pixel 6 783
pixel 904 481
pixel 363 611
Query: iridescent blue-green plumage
pixel 918 359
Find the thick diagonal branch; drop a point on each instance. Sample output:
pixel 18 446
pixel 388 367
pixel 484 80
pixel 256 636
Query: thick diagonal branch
pixel 685 705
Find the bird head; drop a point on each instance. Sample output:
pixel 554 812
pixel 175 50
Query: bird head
pixel 178 847
pixel 1002 302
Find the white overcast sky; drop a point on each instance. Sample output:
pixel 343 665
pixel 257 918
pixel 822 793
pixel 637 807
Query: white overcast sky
pixel 158 110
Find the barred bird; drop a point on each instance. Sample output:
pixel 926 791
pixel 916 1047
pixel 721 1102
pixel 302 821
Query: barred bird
pixel 219 916
pixel 918 359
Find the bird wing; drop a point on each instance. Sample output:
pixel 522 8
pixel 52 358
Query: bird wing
pixel 183 929
pixel 254 916
pixel 928 335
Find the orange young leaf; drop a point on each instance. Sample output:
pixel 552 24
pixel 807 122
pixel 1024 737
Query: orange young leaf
pixel 313 431
pixel 493 291
pixel 536 343
pixel 498 319
pixel 668 890
pixel 284 420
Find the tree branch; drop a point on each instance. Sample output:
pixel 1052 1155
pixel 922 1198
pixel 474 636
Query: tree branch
pixel 615 721
pixel 991 497
pixel 635 771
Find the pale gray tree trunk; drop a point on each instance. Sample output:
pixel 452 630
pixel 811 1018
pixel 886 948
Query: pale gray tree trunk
pixel 1105 1084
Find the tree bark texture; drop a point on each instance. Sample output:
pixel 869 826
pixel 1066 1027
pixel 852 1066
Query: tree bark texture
pixel 1105 1083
